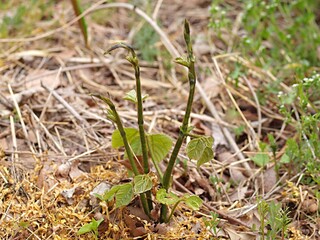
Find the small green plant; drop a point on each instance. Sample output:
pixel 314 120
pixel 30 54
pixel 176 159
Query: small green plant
pixel 91 227
pixel 153 148
pixel 19 17
pixel 279 36
pixel 273 216
pixel 212 223
pixel 301 108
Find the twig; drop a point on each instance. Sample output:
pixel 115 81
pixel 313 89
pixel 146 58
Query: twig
pixel 47 131
pixel 14 146
pixel 24 129
pixel 258 105
pixel 230 219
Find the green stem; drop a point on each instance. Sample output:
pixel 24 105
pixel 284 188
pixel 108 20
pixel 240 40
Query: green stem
pixel 116 118
pixel 172 211
pixel 184 128
pixel 145 198
pixel 135 63
pixel 140 120
pixel 82 22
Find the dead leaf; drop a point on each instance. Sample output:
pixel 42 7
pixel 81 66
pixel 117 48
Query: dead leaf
pixel 68 194
pixel 75 173
pixel 218 136
pixel 310 205
pixel 239 194
pixel 45 179
pixel 63 171
pixel 42 76
pixel 234 235
pixel 161 228
pixel 134 224
pixel 269 179
pixel 236 175
pixel 101 188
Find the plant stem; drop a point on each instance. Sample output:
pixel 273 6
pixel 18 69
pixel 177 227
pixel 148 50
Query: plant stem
pixel 135 63
pixel 141 122
pixel 184 127
pixel 117 120
pixel 82 22
pixel 172 210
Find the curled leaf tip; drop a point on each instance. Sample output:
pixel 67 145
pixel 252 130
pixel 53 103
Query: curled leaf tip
pixel 121 45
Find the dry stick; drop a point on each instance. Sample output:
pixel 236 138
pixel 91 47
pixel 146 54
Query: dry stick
pixel 226 131
pixel 24 129
pixel 233 100
pixel 258 106
pixel 156 9
pixel 44 109
pixel 47 131
pixel 230 219
pixel 70 109
pixel 66 69
pixel 14 146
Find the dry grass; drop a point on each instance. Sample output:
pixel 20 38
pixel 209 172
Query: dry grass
pixel 55 141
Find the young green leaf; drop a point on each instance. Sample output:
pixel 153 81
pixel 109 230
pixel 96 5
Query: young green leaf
pixel 194 202
pixel 142 183
pixel 116 139
pixel 124 195
pixel 261 159
pixel 182 61
pixel 131 96
pixel 92 226
pixel 108 195
pixel 135 144
pixel 285 159
pixel 85 229
pixel 111 116
pixel 200 149
pixel 166 198
pixel 95 224
pixel 159 146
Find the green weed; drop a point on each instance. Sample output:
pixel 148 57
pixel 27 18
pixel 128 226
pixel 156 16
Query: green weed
pixel 301 107
pixel 153 148
pixel 22 18
pixel 274 218
pixel 279 36
pixel 91 227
